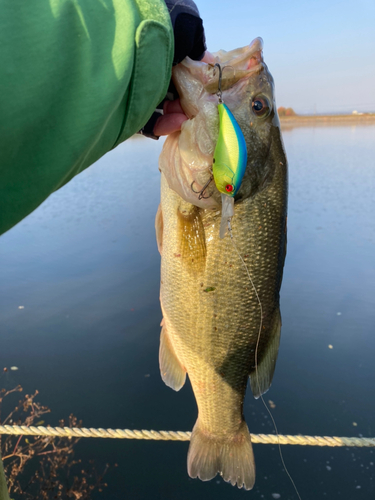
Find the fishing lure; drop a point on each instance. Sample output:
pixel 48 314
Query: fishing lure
pixel 229 162
pixel 230 156
pixel 230 159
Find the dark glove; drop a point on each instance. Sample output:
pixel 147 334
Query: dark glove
pixel 189 40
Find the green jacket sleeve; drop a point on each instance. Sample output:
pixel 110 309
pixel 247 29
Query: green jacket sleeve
pixel 78 78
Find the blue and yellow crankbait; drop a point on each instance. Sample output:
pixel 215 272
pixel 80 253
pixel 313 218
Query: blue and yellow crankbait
pixel 229 161
pixel 230 156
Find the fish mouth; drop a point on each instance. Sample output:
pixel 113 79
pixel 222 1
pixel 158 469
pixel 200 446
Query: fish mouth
pixel 235 64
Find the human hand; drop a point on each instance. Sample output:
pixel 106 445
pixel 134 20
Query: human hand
pixel 171 120
pixel 173 114
pixel 189 38
pixel 189 41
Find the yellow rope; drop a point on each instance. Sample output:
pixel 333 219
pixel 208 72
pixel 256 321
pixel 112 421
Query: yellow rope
pixel 23 430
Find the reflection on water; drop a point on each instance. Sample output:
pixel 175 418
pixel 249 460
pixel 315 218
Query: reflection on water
pixel 85 268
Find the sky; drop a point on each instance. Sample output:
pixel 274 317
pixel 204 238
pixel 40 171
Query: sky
pixel 320 53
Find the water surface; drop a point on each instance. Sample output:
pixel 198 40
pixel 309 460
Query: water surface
pixel 85 268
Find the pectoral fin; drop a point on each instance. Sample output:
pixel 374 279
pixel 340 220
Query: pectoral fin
pixel 192 237
pixel 261 378
pixel 172 373
pixel 159 229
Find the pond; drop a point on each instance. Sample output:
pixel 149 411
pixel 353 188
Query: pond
pixel 80 315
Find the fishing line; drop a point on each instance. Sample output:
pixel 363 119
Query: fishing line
pixel 256 356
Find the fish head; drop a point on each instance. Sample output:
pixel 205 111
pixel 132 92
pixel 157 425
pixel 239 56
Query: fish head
pixel 248 92
pixel 251 100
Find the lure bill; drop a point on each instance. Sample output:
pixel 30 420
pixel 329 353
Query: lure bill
pixel 227 212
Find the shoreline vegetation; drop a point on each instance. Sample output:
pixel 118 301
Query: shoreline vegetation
pixel 289 117
pixel 41 467
pixel 291 120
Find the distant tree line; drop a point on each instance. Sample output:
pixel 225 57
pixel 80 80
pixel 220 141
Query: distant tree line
pixel 286 112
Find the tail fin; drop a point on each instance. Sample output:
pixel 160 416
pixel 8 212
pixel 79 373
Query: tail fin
pixel 232 457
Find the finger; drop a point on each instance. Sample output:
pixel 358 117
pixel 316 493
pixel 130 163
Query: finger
pixel 172 107
pixel 167 124
pixel 208 58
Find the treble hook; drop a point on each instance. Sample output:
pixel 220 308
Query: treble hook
pixel 201 192
pixel 219 92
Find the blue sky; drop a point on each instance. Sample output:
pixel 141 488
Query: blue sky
pixel 320 53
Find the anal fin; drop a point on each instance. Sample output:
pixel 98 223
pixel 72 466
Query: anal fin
pixel 261 377
pixel 172 373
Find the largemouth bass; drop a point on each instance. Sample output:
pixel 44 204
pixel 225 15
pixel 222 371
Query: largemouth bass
pixel 214 328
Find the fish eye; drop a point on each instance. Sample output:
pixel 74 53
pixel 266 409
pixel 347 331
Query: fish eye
pixel 260 106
